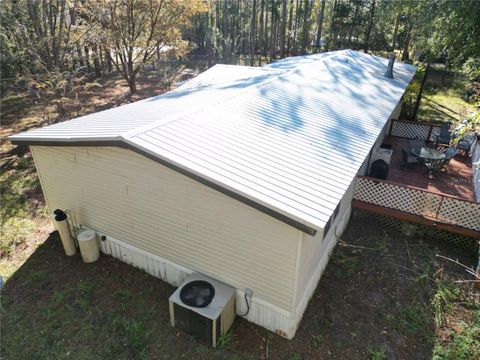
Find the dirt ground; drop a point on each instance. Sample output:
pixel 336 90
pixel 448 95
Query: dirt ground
pixel 374 301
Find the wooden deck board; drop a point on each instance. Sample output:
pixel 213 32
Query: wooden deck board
pixel 456 181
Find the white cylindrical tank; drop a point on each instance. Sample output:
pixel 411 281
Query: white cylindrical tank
pixel 87 242
pixel 61 224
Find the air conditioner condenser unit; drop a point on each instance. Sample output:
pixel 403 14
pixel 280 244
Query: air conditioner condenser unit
pixel 203 307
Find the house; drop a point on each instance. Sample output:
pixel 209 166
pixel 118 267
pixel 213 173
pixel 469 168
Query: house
pixel 243 174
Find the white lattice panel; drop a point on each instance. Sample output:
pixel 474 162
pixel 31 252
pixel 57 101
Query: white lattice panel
pixel 410 130
pixel 397 197
pixel 427 232
pixel 459 212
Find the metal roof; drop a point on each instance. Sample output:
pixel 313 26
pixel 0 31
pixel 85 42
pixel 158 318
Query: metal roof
pixel 290 139
pixel 223 74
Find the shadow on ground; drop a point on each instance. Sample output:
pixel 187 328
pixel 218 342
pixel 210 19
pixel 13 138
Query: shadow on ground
pixel 373 300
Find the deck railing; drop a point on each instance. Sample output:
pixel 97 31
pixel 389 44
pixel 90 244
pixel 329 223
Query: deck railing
pixel 418 205
pixel 414 130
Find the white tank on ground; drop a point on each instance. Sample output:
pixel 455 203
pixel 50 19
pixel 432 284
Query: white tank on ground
pixel 61 224
pixel 87 242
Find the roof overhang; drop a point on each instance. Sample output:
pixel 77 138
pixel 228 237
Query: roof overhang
pixel 224 190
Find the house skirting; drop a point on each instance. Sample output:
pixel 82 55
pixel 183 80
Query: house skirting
pixel 261 312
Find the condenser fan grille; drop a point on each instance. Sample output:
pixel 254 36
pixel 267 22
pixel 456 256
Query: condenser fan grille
pixel 197 293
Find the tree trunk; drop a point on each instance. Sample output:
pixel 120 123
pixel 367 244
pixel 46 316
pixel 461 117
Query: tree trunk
pixel 253 33
pixel 305 28
pixel 272 31
pixel 395 31
pixel 369 28
pixel 261 30
pixel 96 63
pixel 265 34
pixel 225 27
pixel 283 29
pixel 109 60
pixel 87 59
pixel 290 24
pixel 444 73
pixel 131 72
pixel 208 41
pixel 419 96
pixel 332 40
pixel 79 52
pixel 353 24
pixel 406 45
pixel 320 25
pixel 298 11
pixel 132 83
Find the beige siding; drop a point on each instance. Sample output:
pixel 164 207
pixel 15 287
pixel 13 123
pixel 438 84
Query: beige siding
pixel 315 252
pixel 149 206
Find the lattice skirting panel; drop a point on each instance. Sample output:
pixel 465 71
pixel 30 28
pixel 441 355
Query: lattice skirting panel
pixel 466 243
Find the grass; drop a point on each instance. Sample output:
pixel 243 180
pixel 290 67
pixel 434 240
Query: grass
pixel 412 319
pixel 379 354
pixel 444 101
pixel 23 214
pixel 457 317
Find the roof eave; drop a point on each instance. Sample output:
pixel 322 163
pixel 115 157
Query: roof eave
pixel 123 144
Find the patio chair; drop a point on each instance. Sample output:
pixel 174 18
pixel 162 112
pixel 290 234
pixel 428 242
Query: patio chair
pixel 450 153
pixel 445 135
pixel 408 159
pixel 465 143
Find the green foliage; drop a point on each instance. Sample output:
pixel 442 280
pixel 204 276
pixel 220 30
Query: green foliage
pixel 338 345
pixel 373 354
pixel 296 356
pixel 411 319
pixel 466 127
pixel 317 341
pixel 133 335
pixel 464 344
pixel 472 68
pixel 225 340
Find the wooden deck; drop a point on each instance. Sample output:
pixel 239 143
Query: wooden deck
pixel 456 181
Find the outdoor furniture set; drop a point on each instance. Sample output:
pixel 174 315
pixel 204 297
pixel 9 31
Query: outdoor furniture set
pixel 434 159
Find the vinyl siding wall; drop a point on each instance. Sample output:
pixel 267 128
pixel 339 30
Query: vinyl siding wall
pixel 142 203
pixel 315 252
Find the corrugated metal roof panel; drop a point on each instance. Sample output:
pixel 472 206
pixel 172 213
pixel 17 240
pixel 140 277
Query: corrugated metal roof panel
pixel 223 74
pixel 291 139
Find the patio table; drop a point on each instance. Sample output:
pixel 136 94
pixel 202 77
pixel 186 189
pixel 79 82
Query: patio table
pixel 432 158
